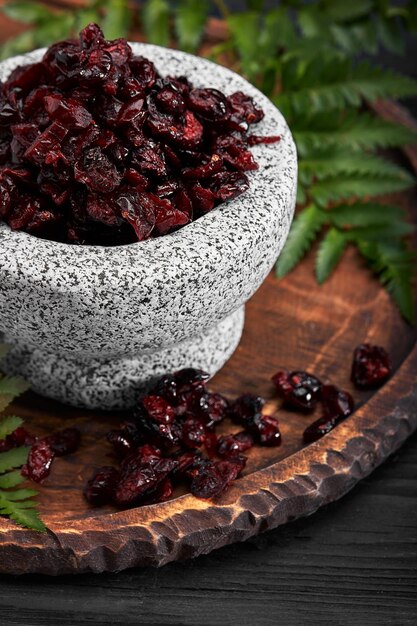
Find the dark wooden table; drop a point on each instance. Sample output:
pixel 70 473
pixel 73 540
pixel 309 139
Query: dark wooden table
pixel 353 562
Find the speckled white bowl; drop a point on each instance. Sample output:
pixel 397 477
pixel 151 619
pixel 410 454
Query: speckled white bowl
pixel 91 325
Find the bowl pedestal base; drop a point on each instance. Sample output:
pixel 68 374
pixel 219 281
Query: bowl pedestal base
pixel 114 383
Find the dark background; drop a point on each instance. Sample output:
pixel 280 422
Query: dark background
pixel 353 562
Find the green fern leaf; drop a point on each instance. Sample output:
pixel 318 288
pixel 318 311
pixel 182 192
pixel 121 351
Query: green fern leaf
pixel 116 20
pixel 18 495
pixel 10 388
pixel 395 266
pixel 365 214
pixel 16 457
pixel 342 11
pixel 329 253
pixel 303 232
pixel 155 18
pixel 278 30
pixel 345 187
pixel 17 45
pixel 322 164
pixel 381 232
pixel 301 194
pixel 11 479
pixel 244 29
pixel 333 83
pixel 87 15
pixel 8 424
pixel 190 19
pixel 27 12
pixel 352 130
pixel 389 34
pixel 24 512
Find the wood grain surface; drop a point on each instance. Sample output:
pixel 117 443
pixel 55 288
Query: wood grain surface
pixel 291 324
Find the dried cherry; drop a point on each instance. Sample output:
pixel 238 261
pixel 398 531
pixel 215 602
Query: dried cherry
pixel 371 366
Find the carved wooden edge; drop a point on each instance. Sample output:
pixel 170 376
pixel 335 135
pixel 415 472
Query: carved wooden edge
pixel 187 527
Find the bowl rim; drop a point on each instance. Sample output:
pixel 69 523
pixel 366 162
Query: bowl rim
pixel 219 221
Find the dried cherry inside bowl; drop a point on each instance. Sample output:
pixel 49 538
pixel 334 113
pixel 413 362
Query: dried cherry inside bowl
pixel 91 325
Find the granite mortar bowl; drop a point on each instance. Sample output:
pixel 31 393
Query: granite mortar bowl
pixel 91 326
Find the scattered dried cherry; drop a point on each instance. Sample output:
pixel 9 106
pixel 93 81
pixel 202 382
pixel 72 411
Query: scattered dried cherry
pixel 233 445
pixel 142 480
pixel 231 468
pixel 64 441
pixel 299 389
pixel 193 433
pixel 318 429
pixel 246 409
pixel 266 430
pixel 337 404
pixel 39 461
pixel 208 482
pixel 158 409
pixel 101 486
pixel 122 442
pixel 371 366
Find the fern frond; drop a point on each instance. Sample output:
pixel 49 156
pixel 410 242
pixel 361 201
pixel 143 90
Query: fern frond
pixel 303 232
pixel 244 28
pixel 322 164
pixel 395 267
pixel 330 252
pixel 333 83
pixel 11 479
pixel 341 11
pixel 16 457
pixel 23 512
pixel 381 232
pixel 345 187
pixel 10 388
pixel 352 130
pixel 155 19
pixel 117 19
pixel 190 19
pixel 8 424
pixel 365 214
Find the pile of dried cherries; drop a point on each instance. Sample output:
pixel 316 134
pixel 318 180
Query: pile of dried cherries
pixel 170 437
pixel 97 148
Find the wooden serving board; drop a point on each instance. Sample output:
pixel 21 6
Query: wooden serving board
pixel 293 324
pixel 290 324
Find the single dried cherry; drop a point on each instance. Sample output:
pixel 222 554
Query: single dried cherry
pixel 138 482
pixel 299 389
pixel 101 486
pixel 233 445
pixel 266 430
pixel 64 441
pixel 193 433
pixel 337 404
pixel 208 482
pixel 39 461
pixel 246 409
pixel 318 429
pixel 371 366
